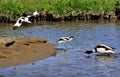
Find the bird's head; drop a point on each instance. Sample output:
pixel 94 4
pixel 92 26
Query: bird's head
pixel 88 52
pixel 72 37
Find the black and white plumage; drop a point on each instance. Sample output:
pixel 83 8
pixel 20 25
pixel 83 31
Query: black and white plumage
pixel 24 19
pixel 101 49
pixel 65 39
pixel 20 21
pixel 35 13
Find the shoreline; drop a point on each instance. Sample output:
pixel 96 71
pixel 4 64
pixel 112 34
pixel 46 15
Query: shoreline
pixel 25 50
pixel 71 17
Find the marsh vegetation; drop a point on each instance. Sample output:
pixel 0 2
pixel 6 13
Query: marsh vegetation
pixel 60 8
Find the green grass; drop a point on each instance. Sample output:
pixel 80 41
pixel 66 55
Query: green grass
pixel 15 8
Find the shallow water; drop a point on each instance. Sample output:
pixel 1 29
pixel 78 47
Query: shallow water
pixel 72 63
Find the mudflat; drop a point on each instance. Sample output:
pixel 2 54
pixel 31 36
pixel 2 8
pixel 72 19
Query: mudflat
pixel 17 51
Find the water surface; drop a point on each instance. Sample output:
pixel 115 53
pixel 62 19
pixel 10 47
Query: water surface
pixel 72 63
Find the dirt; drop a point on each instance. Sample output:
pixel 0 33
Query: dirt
pixel 17 51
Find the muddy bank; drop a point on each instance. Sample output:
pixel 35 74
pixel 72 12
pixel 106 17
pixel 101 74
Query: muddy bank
pixel 24 50
pixel 72 16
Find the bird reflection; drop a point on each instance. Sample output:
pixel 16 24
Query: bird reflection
pixel 102 57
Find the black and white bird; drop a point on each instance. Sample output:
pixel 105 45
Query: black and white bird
pixel 20 21
pixel 24 19
pixel 65 39
pixel 101 49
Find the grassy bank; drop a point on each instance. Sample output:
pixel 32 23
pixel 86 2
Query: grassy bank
pixel 14 8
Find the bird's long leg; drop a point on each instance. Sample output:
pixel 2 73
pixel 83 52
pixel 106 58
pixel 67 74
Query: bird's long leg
pixel 65 49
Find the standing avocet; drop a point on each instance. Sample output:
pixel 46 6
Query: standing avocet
pixel 64 40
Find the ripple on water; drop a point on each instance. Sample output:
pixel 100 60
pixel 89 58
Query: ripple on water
pixel 71 63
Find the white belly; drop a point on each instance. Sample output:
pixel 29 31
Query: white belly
pixel 102 51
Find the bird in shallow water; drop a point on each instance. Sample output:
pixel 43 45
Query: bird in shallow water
pixel 64 40
pixel 24 18
pixel 101 49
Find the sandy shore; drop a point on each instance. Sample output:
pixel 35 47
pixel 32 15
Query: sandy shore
pixel 24 50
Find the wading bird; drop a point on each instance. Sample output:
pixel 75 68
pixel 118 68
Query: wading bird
pixel 64 40
pixel 101 49
pixel 20 21
pixel 25 18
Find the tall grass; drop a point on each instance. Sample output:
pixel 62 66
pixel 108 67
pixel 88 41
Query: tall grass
pixel 14 8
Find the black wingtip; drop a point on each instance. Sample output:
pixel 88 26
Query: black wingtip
pixel 14 27
pixel 9 43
